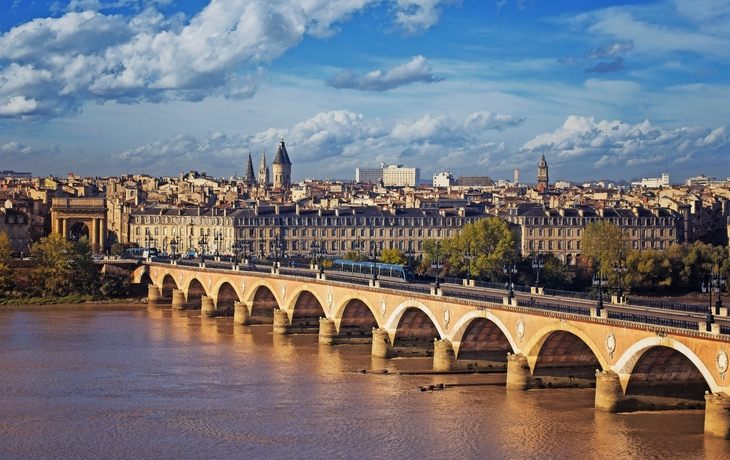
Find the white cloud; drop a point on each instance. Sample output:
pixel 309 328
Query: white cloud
pixel 608 50
pixel 582 142
pixel 417 70
pixel 416 16
pixel 14 151
pixel 89 56
pixel 334 144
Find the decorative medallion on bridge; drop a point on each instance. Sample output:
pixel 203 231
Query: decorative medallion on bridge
pixel 520 329
pixel 283 291
pixel 155 273
pixel 210 282
pixel 180 277
pixel 447 317
pixel 610 344
pixel 243 286
pixel 383 309
pixel 722 363
pixel 330 301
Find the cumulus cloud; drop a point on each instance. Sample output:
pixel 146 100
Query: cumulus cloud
pixel 417 70
pixel 50 67
pixel 617 65
pixel 335 143
pixel 15 151
pixel 582 142
pixel 416 16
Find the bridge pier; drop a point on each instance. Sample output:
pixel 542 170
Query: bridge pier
pixel 153 293
pixel 281 322
pixel 444 358
pixel 609 392
pixel 178 299
pixel 382 348
pixel 207 306
pixel 240 313
pixel 518 373
pixel 327 331
pixel 717 415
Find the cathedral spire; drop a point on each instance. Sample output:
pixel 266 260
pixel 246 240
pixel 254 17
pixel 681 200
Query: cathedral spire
pixel 249 178
pixel 263 170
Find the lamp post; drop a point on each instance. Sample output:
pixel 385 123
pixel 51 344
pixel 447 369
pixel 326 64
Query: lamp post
pixel 716 282
pixel 409 252
pixel 374 253
pixel 538 264
pixel 173 246
pixel 358 244
pixel 318 251
pixel 468 255
pixel 437 265
pixel 619 268
pixel 599 280
pixel 147 238
pixel 510 269
pixel 203 244
pixel 276 247
pixel 217 239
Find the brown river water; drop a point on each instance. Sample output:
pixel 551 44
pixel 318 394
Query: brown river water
pixel 147 382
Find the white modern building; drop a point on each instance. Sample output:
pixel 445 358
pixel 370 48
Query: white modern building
pixel 653 182
pixel 391 175
pixel 443 179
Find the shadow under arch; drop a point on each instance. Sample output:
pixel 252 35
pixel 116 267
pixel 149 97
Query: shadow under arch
pixel 562 355
pixel 167 285
pixel 415 330
pixel 305 313
pixel 639 363
pixel 465 322
pixel 263 303
pixel 484 340
pixel 226 296
pixel 357 320
pixel 195 292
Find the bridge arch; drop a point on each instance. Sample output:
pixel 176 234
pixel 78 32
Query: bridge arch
pixel 195 292
pixel 537 341
pixel 626 365
pixel 466 321
pixel 226 295
pixel 306 310
pixel 139 272
pixel 356 319
pixel 348 301
pixel 262 300
pixel 483 337
pixel 167 285
pixel 414 328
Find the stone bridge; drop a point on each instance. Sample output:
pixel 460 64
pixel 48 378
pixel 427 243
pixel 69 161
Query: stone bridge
pixel 633 366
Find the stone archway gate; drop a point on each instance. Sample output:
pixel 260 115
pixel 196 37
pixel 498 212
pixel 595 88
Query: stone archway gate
pixel 65 212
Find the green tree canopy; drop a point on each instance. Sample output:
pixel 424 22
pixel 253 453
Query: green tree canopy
pixel 604 243
pixel 490 243
pixel 393 256
pixel 7 274
pixel 63 267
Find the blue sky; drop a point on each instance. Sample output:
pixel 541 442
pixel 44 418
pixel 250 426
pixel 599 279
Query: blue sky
pixel 604 89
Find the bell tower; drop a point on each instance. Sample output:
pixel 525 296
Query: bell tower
pixel 542 174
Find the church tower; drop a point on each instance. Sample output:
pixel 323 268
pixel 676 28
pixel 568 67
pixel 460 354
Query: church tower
pixel 263 171
pixel 249 178
pixel 542 174
pixel 282 167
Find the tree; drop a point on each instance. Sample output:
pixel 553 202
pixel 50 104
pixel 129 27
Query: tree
pixel 491 243
pixel 356 256
pixel 393 256
pixel 649 271
pixel 604 243
pixel 555 274
pixel 7 274
pixel 62 266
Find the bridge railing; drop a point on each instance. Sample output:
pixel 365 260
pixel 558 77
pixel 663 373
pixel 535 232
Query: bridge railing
pixel 473 296
pixel 405 287
pixel 660 305
pixel 648 319
pixel 572 309
pixel 347 279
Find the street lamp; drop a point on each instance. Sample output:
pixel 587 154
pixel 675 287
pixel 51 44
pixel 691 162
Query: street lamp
pixel 510 269
pixel 374 253
pixel 318 250
pixel 437 264
pixel 276 247
pixel 409 252
pixel 173 246
pixel 468 255
pixel 358 244
pixel 715 282
pixel 619 268
pixel 538 263
pixel 147 238
pixel 599 281
pixel 217 239
pixel 203 248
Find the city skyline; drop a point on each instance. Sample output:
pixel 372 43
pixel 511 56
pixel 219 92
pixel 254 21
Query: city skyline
pixel 604 91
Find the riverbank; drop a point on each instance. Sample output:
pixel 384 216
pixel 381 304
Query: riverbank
pixel 70 300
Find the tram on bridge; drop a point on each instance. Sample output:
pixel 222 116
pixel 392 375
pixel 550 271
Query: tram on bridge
pixel 389 272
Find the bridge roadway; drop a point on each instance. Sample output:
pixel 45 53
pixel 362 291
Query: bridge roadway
pixel 637 358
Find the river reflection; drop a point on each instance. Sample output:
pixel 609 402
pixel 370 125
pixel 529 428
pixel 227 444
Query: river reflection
pixel 150 382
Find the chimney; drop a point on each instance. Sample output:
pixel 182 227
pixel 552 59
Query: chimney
pixel 462 212
pixel 296 208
